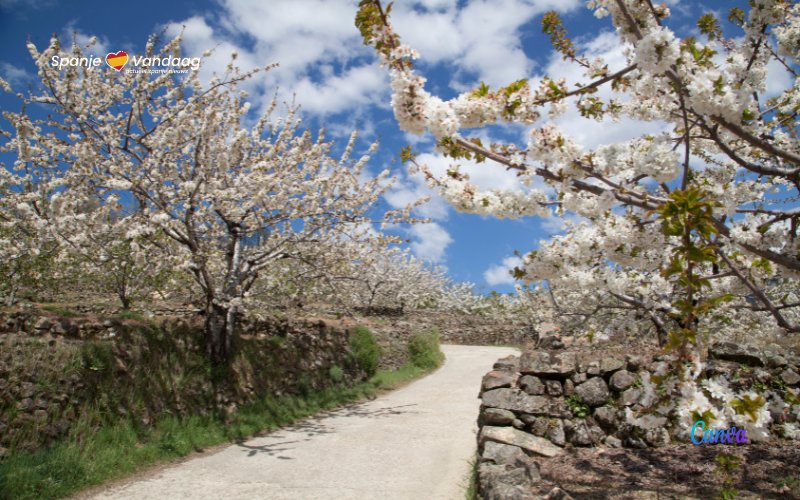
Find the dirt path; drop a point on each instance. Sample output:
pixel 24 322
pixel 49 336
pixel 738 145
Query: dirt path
pixel 412 443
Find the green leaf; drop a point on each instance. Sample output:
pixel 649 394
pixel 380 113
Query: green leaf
pixel 709 26
pixel 749 406
pixel 707 417
pixel 407 154
pixel 481 91
pixel 762 264
pixel 736 16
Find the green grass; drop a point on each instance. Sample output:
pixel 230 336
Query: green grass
pixel 336 373
pixel 471 491
pixel 122 449
pixel 365 349
pixel 123 315
pixel 388 380
pixel 61 311
pixel 424 351
pixel 789 485
pixel 425 356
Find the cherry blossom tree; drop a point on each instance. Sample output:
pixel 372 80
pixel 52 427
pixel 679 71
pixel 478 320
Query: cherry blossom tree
pixel 28 254
pixel 28 262
pixel 232 197
pixel 105 256
pixel 388 278
pixel 463 298
pixel 686 226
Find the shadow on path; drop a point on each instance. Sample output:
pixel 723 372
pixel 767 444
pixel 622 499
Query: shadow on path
pixel 318 425
pixel 272 449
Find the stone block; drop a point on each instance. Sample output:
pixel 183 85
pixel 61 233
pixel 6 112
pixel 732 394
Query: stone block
pixel 543 364
pixel 593 392
pixel 621 380
pixel 529 442
pixel 496 379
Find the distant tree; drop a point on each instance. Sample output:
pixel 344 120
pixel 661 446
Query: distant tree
pixel 107 256
pixel 381 278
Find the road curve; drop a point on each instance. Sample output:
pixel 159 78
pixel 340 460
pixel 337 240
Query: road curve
pixel 412 443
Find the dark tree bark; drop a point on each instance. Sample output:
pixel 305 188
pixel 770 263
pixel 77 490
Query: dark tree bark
pixel 125 300
pixel 218 334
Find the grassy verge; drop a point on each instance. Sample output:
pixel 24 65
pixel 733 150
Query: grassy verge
pixel 471 491
pixel 424 351
pixel 123 449
pixel 394 379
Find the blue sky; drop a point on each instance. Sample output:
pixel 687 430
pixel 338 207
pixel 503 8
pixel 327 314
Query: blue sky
pixel 339 85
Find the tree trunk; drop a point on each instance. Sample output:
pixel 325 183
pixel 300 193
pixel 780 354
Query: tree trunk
pixel 219 332
pixel 125 300
pixel 663 337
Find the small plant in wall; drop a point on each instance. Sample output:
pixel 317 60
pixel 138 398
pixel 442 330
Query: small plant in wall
pixel 552 423
pixel 727 464
pixel 789 484
pixel 336 374
pixel 577 406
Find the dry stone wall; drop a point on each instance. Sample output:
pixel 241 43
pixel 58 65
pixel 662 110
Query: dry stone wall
pixel 538 404
pixel 54 369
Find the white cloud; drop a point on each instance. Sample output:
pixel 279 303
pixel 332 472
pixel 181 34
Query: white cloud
pixel 409 189
pixel 552 225
pixel 99 46
pixel 605 44
pixel 430 241
pixel 324 62
pixel 358 86
pixel 340 130
pixel 198 37
pixel 483 37
pixel 485 176
pixel 283 23
pixel 778 79
pixel 437 4
pixel 315 42
pixel 558 224
pixel 434 35
pixel 500 274
pixel 678 8
pixel 15 76
pixel 418 141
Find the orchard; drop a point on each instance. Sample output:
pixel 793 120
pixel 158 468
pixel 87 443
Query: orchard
pixel 141 185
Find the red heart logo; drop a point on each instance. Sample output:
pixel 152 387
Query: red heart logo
pixel 117 60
